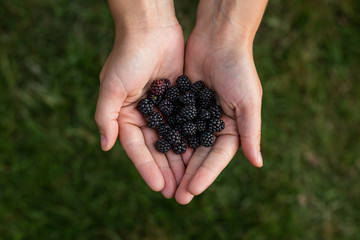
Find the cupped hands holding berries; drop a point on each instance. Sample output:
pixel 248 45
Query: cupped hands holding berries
pixel 145 49
pixel 149 47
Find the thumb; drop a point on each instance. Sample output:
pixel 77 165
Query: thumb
pixel 249 127
pixel 111 97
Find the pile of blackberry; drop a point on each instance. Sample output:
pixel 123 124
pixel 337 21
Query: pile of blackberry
pixel 184 115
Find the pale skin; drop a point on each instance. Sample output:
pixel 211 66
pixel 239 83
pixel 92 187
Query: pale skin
pixel 149 45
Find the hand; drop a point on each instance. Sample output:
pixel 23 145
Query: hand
pixel 228 68
pixel 137 59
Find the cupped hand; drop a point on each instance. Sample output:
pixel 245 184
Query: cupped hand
pixel 228 68
pixel 134 62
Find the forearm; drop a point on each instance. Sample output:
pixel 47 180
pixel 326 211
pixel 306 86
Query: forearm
pixel 230 19
pixel 135 15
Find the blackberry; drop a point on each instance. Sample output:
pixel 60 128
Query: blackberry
pixel 163 129
pixel 154 119
pixel 189 112
pixel 187 98
pixel 215 111
pixel 166 107
pixel 194 142
pixel 145 106
pixel 207 94
pixel 158 87
pixel 183 83
pixel 173 94
pixel 154 98
pixel 162 145
pixel 216 125
pixel 206 139
pixel 204 114
pixel 197 86
pixel 189 128
pixel 180 147
pixel 201 126
pixel 206 97
pixel 173 137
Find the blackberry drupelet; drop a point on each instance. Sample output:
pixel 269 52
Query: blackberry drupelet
pixel 180 147
pixel 166 107
pixel 145 106
pixel 183 83
pixel 187 98
pixel 158 87
pixel 196 87
pixel 216 125
pixel 193 141
pixel 173 137
pixel 189 128
pixel 154 119
pixel 163 129
pixel 189 112
pixel 215 111
pixel 206 139
pixel 162 145
pixel 173 94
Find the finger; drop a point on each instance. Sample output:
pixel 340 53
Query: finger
pixel 177 165
pixel 221 154
pixel 108 107
pixel 162 162
pixel 249 127
pixel 132 140
pixel 182 195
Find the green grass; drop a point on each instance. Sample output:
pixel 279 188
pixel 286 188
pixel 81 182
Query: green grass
pixel 56 183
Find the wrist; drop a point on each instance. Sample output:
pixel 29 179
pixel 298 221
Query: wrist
pixel 142 15
pixel 229 20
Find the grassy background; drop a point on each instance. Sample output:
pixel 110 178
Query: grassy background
pixel 55 183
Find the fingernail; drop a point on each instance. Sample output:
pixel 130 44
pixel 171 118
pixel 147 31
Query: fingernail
pixel 103 141
pixel 260 160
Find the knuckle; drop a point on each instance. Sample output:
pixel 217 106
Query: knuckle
pixel 97 118
pixel 101 75
pixel 253 101
pixel 252 134
pixel 221 152
pixel 112 89
pixel 261 91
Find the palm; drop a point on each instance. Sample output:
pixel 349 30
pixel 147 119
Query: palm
pixel 132 65
pixel 233 76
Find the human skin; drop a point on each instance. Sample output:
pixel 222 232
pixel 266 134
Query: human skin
pixel 219 52
pixel 148 45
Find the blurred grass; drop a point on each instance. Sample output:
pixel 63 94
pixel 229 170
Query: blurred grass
pixel 55 183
